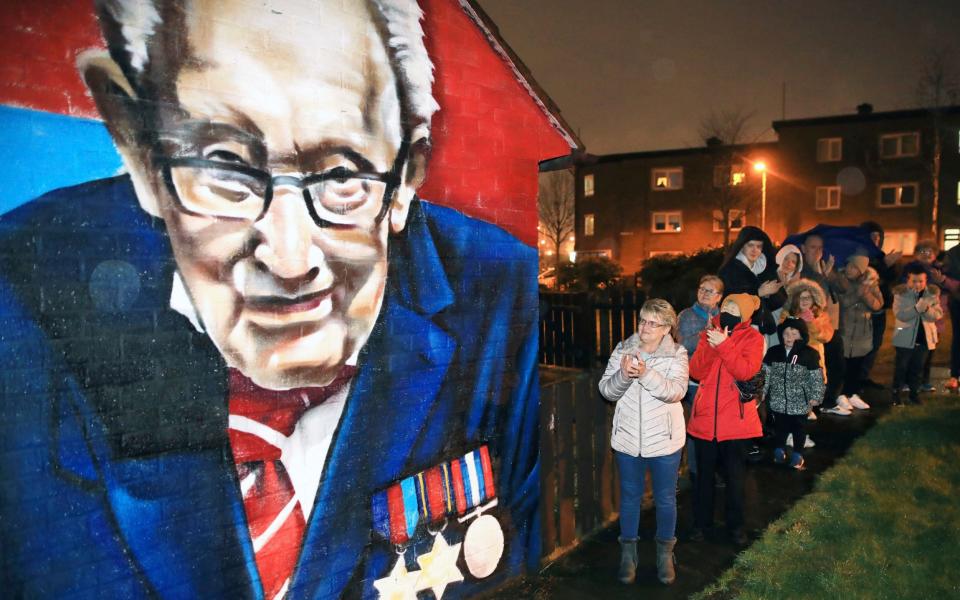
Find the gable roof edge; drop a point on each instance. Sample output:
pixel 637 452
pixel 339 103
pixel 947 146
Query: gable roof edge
pixel 521 72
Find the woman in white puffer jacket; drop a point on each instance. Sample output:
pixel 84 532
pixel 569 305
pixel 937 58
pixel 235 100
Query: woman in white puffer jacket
pixel 647 377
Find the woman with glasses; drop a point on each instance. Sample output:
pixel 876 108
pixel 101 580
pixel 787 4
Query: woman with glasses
pixel 647 377
pixel 690 322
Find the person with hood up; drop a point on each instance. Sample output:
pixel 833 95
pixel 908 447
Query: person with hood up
pixel 807 301
pixel 789 266
pixel 750 267
pixel 793 385
pixel 730 350
pixel 860 297
pixel 647 377
pixel 886 268
pixel 916 308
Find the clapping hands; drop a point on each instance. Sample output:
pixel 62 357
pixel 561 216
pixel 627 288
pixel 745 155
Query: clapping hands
pixel 715 337
pixel 632 366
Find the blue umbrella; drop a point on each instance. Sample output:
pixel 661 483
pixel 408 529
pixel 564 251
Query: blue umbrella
pixel 840 241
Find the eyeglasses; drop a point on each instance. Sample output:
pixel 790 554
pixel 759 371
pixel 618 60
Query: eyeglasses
pixel 805 297
pixel 339 197
pixel 645 323
pixel 707 291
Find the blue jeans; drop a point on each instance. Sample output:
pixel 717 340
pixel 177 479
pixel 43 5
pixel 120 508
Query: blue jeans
pixel 633 470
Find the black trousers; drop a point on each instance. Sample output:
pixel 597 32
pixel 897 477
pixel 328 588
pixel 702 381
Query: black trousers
pixel 953 305
pixel 852 384
pixel 784 425
pixel 908 368
pixel 879 327
pixel 732 455
pixel 834 363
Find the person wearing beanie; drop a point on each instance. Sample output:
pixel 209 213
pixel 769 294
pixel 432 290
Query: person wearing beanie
pixel 792 386
pixel 886 267
pixel 750 267
pixel 789 269
pixel 729 350
pixel 859 292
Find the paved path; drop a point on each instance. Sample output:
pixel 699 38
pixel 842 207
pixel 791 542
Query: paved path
pixel 590 570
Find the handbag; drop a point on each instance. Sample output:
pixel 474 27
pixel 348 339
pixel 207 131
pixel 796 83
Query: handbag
pixel 753 387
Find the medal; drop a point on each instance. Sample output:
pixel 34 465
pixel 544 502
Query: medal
pixel 483 546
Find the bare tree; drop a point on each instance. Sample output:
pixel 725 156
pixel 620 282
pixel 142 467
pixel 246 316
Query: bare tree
pixel 938 86
pixel 555 205
pixel 729 189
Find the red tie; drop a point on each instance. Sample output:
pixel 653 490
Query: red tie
pixel 259 420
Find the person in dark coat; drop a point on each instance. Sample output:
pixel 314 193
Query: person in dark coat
pixel 886 268
pixel 750 267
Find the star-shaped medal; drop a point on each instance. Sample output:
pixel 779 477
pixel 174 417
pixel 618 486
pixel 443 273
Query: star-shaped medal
pixel 399 584
pixel 438 568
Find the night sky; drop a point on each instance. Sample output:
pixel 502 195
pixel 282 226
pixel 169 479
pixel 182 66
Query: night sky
pixel 635 75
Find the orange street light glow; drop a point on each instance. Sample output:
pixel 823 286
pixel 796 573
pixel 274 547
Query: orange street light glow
pixel 760 166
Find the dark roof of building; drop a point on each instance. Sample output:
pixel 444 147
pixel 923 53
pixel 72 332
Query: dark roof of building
pixel 889 115
pixel 676 152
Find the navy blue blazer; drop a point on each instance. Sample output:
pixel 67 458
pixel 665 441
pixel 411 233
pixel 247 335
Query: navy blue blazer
pixel 118 479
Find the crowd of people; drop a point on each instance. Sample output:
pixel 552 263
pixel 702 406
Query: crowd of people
pixel 774 338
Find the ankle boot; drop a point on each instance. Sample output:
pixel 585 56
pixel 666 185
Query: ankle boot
pixel 666 561
pixel 628 560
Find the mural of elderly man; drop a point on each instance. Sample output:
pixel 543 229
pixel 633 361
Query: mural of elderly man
pixel 288 376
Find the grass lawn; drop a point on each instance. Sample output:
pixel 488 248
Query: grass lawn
pixel 883 523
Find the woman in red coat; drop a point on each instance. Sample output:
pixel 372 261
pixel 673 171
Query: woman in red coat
pixel 720 424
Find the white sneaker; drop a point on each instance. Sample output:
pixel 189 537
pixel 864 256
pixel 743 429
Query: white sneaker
pixel 844 402
pixel 811 416
pixel 808 443
pixel 857 402
pixel 836 410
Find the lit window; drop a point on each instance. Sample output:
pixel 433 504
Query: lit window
pixel 951 237
pixel 588 185
pixel 897 145
pixel 958 192
pixel 897 194
pixel 588 224
pixel 829 149
pixel 724 175
pixel 666 222
pixel 828 198
pixel 738 218
pixel 667 179
pixel 900 241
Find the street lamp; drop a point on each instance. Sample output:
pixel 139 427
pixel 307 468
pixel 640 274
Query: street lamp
pixel 762 168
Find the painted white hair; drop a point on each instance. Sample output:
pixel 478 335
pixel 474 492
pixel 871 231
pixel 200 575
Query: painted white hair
pixel 136 24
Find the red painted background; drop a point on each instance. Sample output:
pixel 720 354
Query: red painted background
pixel 488 136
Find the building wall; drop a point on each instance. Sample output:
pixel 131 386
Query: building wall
pixel 412 337
pixel 623 202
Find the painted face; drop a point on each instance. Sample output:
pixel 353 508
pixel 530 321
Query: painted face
pixel 805 301
pixel 813 249
pixel 752 250
pixel 790 336
pixel 287 301
pixel 917 282
pixel 708 294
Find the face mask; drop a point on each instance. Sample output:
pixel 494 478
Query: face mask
pixel 728 321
